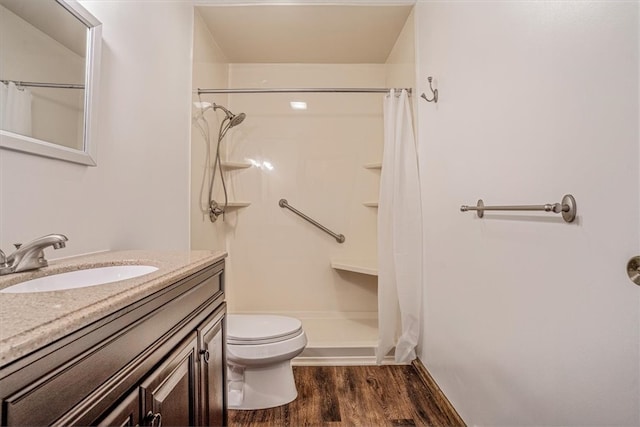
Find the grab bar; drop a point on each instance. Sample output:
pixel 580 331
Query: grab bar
pixel 284 204
pixel 567 208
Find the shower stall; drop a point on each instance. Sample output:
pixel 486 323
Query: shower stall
pixel 322 153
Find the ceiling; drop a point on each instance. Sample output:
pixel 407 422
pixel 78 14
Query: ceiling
pixel 332 34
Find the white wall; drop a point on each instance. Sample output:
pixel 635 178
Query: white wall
pixel 530 320
pixel 137 196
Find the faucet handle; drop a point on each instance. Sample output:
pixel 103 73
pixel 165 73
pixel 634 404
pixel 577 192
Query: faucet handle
pixel 17 245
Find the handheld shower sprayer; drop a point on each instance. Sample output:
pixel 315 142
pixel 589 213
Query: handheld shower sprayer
pixel 230 120
pixel 234 119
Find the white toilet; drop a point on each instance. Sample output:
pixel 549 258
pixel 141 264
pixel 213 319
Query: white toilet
pixel 259 353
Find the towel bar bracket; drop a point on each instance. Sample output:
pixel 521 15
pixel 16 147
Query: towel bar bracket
pixel 569 202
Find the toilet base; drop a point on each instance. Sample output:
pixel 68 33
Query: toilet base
pixel 261 387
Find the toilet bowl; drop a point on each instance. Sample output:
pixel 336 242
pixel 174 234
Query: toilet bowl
pixel 259 353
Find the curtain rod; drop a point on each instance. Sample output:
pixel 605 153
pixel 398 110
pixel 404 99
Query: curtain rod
pixel 51 85
pixel 303 90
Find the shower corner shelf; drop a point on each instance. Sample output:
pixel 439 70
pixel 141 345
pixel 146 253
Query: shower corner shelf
pixel 235 165
pixel 238 204
pixel 356 266
pixel 377 165
pixel 371 204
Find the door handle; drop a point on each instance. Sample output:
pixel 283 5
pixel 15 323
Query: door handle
pixel 633 269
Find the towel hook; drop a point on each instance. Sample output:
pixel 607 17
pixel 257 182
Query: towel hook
pixel 434 92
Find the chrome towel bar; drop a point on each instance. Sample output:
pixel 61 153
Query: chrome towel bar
pixel 567 207
pixel 284 204
pixel 304 90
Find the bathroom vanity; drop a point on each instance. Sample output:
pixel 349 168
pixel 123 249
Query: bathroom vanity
pixel 142 351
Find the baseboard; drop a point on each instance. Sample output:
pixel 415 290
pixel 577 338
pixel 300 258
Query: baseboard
pixel 442 400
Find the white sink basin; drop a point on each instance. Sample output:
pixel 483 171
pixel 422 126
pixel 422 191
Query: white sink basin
pixel 80 279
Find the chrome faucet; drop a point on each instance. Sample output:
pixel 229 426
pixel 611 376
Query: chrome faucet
pixel 30 255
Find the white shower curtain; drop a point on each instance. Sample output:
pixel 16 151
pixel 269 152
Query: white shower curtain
pixel 399 235
pixel 15 109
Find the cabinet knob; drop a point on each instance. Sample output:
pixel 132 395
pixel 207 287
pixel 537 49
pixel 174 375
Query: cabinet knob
pixel 153 420
pixel 205 353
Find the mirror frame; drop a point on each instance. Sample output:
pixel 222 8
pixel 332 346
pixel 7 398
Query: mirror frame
pixel 88 155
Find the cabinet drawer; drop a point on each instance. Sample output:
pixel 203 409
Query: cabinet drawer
pixel 143 335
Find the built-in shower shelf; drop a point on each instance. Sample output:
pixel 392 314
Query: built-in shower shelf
pixel 373 165
pixel 235 165
pixel 237 204
pixel 357 266
pixel 371 204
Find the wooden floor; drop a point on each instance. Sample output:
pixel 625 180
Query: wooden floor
pixel 357 396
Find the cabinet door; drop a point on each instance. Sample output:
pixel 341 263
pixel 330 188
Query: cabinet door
pixel 126 414
pixel 213 370
pixel 168 396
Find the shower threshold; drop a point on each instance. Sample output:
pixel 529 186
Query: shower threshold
pixel 339 341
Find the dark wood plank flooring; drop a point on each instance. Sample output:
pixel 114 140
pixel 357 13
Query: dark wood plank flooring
pixel 357 396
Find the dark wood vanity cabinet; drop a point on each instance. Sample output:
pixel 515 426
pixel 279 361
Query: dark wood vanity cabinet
pixel 160 361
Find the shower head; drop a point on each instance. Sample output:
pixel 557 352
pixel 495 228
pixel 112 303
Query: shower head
pixel 234 120
pixel 237 119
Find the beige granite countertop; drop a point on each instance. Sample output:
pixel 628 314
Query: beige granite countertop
pixel 30 321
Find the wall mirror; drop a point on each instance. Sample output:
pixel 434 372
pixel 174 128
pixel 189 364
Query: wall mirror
pixel 49 66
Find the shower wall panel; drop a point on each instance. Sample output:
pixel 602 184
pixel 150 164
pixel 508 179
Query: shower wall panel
pixel 210 70
pixel 314 158
pixel 401 62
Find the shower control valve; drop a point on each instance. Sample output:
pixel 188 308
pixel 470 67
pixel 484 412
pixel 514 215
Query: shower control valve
pixel 215 211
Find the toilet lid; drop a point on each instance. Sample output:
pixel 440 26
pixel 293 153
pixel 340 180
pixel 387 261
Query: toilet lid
pixel 261 329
